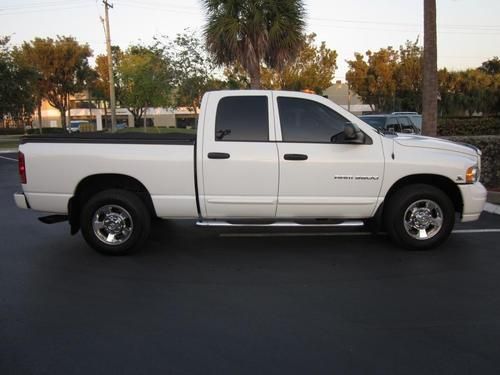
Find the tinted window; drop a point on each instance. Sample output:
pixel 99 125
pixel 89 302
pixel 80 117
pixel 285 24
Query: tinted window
pixel 242 118
pixel 376 122
pixel 304 120
pixel 406 125
pixel 417 120
pixel 404 121
pixel 392 125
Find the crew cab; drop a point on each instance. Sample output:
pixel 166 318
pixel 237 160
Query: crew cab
pixel 268 157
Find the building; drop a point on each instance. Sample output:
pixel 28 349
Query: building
pixel 340 94
pixel 83 109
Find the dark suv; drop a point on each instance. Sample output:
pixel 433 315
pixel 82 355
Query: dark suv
pixel 392 123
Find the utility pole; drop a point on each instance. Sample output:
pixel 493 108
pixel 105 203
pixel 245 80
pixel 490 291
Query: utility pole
pixel 112 97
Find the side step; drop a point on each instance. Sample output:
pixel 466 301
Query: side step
pixel 219 223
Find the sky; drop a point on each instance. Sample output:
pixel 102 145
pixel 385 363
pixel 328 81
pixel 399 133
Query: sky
pixel 468 30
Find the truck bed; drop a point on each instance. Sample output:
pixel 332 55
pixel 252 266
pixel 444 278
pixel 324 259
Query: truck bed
pixel 163 163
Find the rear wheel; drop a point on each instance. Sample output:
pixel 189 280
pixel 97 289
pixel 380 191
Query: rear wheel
pixel 419 217
pixel 115 222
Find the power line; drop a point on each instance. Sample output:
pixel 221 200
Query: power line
pixel 41 3
pixel 402 24
pixel 52 8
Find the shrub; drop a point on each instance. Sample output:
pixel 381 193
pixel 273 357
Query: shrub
pixel 467 126
pixel 11 131
pixel 46 131
pixel 490 148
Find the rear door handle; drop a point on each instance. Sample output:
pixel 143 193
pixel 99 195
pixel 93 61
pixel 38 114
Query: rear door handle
pixel 295 157
pixel 218 155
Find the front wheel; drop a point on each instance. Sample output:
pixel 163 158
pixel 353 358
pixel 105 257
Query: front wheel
pixel 115 222
pixel 419 217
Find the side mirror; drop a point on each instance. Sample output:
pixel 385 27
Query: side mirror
pixel 352 134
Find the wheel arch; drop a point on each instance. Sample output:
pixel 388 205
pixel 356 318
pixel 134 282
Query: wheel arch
pixel 441 182
pixel 96 183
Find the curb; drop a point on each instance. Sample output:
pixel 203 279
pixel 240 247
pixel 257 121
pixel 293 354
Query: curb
pixel 492 208
pixel 9 151
pixel 493 197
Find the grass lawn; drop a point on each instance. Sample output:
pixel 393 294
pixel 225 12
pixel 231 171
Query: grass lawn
pixel 9 141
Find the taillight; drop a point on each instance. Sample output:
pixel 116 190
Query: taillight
pixel 22 167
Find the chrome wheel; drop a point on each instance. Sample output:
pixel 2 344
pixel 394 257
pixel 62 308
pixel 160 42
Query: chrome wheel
pixel 423 219
pixel 112 224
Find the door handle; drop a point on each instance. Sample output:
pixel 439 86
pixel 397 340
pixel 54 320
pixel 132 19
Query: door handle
pixel 218 155
pixel 295 157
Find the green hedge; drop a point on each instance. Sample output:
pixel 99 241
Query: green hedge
pixel 469 126
pixel 11 131
pixel 490 147
pixel 45 131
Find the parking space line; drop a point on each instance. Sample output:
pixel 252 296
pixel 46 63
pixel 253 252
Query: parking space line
pixel 476 231
pixel 4 157
pixel 333 234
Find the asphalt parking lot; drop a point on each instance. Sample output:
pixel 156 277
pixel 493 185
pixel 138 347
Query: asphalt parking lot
pixel 204 301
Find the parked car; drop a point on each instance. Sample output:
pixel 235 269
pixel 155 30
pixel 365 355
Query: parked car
pixel 392 123
pixel 259 157
pixel 74 126
pixel 415 118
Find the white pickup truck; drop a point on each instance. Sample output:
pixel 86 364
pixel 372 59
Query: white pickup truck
pixel 259 157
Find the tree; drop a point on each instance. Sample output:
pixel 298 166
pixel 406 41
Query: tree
pixel 61 66
pixel 389 79
pixel 313 69
pixel 193 70
pixel 145 79
pixel 17 86
pixel 469 91
pixel 375 80
pixel 249 32
pixel 491 66
pixel 448 86
pixel 430 81
pixel 409 78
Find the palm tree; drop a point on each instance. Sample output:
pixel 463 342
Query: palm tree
pixel 249 32
pixel 430 81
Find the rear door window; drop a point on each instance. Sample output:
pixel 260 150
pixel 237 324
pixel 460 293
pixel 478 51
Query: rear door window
pixel 242 118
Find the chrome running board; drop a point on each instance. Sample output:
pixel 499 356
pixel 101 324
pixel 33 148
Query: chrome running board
pixel 218 223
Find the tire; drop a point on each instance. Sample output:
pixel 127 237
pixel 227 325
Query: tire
pixel 115 222
pixel 419 217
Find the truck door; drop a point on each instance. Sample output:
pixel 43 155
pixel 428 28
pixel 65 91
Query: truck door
pixel 239 156
pixel 318 178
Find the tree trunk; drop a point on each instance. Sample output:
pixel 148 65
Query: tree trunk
pixel 254 72
pixel 39 109
pixel 430 81
pixel 137 121
pixel 62 111
pixel 68 105
pixel 89 100
pixel 105 115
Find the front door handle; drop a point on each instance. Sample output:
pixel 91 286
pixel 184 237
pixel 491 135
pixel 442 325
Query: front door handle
pixel 218 155
pixel 295 157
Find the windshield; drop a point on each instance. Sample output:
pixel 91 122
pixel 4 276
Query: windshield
pixel 376 122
